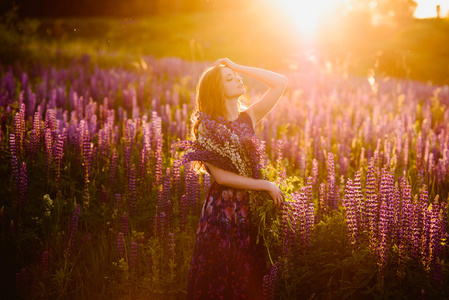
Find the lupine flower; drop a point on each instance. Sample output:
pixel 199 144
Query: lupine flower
pixel 132 191
pixel 71 233
pixel 134 255
pixel 49 151
pixel 322 199
pixel 350 205
pixel 160 226
pixel 59 153
pixel 113 168
pixel 314 171
pixel 269 283
pixel 23 188
pixel 332 196
pixel 383 232
pixel 121 245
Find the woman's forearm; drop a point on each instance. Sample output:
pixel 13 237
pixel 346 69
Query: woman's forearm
pixel 234 180
pixel 270 78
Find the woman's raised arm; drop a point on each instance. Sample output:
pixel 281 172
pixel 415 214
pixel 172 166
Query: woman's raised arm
pixel 234 180
pixel 277 83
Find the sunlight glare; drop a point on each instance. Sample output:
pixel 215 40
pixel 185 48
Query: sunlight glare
pixel 427 8
pixel 307 14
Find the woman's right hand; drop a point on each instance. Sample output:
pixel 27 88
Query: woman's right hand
pixel 227 62
pixel 275 193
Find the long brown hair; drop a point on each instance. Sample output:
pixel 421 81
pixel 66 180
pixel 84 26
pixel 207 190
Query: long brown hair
pixel 210 97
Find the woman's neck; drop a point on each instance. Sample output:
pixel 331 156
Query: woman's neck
pixel 232 106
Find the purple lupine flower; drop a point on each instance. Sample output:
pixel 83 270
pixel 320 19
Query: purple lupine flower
pixel 426 216
pixel 113 168
pixel 14 165
pixel 134 255
pixel 19 130
pixel 141 174
pixel 269 283
pixel 383 232
pixel 359 204
pixel 71 233
pixel 125 224
pixel 87 155
pixel 59 153
pixel 171 246
pixel 45 260
pixel 309 189
pixel 132 191
pixel 314 171
pixel 158 161
pixel 121 245
pixel 416 230
pixel 350 206
pixel 406 232
pixel 23 188
pixel 48 151
pixel 331 196
pixel 159 227
pixel 167 186
pixel 285 232
pixel 322 199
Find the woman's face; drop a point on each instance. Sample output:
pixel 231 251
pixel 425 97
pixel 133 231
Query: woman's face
pixel 232 83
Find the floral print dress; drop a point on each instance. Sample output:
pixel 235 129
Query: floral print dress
pixel 227 263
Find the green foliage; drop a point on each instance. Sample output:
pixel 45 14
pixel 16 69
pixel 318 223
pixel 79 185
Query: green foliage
pixel 15 35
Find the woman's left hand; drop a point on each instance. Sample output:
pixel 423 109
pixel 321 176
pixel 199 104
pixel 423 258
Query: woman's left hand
pixel 227 62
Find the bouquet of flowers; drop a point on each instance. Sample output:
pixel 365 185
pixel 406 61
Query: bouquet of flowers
pixel 234 147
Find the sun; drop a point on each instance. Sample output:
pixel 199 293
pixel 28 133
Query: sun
pixel 307 14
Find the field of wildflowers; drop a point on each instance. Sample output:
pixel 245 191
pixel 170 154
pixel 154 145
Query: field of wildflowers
pixel 95 203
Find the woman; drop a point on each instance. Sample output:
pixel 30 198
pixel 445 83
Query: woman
pixel 227 263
